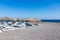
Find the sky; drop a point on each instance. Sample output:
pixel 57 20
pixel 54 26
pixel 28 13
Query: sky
pixel 43 9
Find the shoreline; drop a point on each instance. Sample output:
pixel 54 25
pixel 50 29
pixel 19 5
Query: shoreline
pixel 46 31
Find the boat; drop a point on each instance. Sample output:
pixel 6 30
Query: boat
pixel 5 25
pixel 19 25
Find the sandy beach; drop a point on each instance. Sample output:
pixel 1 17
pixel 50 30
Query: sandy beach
pixel 46 31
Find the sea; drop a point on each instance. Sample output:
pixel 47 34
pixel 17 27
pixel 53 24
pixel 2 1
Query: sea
pixel 42 20
pixel 51 20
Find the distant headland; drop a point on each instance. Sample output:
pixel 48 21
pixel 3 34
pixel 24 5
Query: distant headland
pixel 3 19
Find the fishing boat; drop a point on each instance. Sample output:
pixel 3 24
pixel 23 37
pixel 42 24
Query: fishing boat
pixel 19 25
pixel 5 25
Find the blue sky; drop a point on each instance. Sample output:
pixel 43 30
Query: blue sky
pixel 44 9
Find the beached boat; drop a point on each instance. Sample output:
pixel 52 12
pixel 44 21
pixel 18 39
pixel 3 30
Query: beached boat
pixel 5 25
pixel 1 27
pixel 19 25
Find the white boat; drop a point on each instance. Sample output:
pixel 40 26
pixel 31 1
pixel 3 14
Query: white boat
pixel 1 28
pixel 9 23
pixel 0 31
pixel 8 26
pixel 19 25
pixel 5 25
pixel 22 25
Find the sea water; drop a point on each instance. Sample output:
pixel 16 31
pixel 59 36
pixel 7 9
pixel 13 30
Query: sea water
pixel 46 20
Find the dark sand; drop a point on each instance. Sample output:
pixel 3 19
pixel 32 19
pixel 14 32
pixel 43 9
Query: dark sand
pixel 47 31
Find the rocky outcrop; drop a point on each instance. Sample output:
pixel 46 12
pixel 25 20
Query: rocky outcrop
pixel 29 20
pixel 7 18
pixel 20 19
pixel 32 20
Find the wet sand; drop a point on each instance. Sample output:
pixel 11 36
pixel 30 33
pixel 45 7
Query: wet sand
pixel 46 31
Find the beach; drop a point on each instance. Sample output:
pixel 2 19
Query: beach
pixel 46 31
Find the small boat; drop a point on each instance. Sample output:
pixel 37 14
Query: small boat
pixel 5 25
pixel 22 25
pixel 0 31
pixel 28 24
pixel 1 28
pixel 19 25
pixel 9 23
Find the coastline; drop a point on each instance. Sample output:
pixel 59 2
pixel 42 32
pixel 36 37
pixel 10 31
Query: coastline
pixel 46 31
